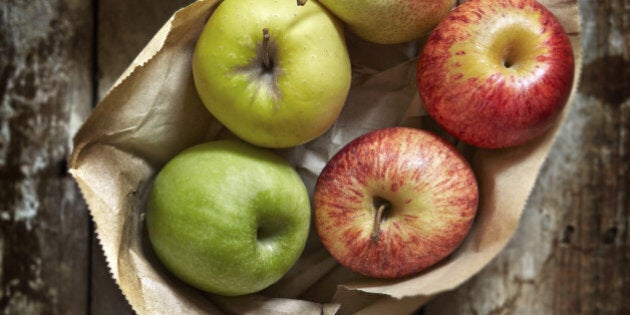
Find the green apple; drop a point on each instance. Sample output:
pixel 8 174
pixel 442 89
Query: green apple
pixel 227 217
pixel 390 21
pixel 274 73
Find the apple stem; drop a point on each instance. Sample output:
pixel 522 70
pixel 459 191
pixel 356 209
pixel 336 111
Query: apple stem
pixel 265 48
pixel 301 2
pixel 376 228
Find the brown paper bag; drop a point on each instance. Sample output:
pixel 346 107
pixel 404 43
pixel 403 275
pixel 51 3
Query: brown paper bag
pixel 153 112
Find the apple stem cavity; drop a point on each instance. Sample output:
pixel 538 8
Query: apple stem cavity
pixel 301 2
pixel 383 206
pixel 508 59
pixel 265 48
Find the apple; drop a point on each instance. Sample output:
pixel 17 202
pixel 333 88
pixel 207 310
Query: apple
pixel 227 217
pixel 496 73
pixel 389 21
pixel 394 202
pixel 274 73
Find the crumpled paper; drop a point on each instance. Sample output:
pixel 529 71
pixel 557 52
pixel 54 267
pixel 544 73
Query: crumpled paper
pixel 153 112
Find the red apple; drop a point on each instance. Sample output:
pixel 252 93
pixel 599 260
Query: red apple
pixel 496 73
pixel 394 202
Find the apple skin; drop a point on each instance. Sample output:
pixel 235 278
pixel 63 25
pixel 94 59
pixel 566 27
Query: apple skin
pixel 390 21
pixel 302 91
pixel 227 217
pixel 496 74
pixel 430 189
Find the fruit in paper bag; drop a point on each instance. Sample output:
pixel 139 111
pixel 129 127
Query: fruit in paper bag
pixel 496 74
pixel 390 21
pixel 394 202
pixel 274 73
pixel 227 217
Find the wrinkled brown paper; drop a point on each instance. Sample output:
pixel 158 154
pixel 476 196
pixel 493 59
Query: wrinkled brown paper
pixel 153 112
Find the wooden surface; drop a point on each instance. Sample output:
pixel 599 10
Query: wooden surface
pixel 570 254
pixel 46 62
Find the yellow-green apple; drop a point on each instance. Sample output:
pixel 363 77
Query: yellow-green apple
pixel 275 74
pixel 228 217
pixel 496 73
pixel 394 202
pixel 389 21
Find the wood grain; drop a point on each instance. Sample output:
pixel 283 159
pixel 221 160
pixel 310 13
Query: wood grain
pixel 45 93
pixel 571 252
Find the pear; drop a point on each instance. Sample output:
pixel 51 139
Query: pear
pixel 389 21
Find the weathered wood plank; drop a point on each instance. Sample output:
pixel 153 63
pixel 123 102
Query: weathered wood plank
pixel 45 93
pixel 572 250
pixel 124 28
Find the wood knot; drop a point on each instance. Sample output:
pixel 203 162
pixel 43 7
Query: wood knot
pixel 568 232
pixel 610 235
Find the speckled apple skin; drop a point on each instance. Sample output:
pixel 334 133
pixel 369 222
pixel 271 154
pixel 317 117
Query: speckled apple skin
pixel 390 21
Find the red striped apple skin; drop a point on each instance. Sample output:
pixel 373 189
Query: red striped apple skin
pixel 496 73
pixel 431 189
